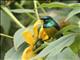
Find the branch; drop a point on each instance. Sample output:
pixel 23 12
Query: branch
pixel 36 11
pixel 5 9
pixel 6 35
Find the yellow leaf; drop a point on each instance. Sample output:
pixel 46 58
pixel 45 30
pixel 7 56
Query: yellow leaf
pixel 40 33
pixel 28 53
pixel 37 25
pixel 29 38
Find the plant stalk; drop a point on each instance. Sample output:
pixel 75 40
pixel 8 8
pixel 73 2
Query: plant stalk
pixel 36 11
pixel 6 35
pixel 31 16
pixel 41 8
pixel 5 9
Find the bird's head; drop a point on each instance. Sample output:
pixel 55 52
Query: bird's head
pixel 46 19
pixel 49 22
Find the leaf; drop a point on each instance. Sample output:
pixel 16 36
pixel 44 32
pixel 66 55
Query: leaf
pixel 56 46
pixel 18 37
pixel 61 5
pixel 76 45
pixel 54 5
pixel 12 54
pixel 22 10
pixel 22 2
pixel 70 28
pixel 5 22
pixel 74 5
pixel 66 54
pixel 72 13
pixel 74 20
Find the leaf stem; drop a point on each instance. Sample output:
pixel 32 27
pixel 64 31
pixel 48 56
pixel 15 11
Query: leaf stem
pixel 40 48
pixel 36 11
pixel 5 9
pixel 41 8
pixel 18 5
pixel 6 35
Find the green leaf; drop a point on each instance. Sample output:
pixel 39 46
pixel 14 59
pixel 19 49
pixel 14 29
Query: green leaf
pixel 22 2
pixel 12 54
pixel 56 46
pixel 76 45
pixel 18 37
pixel 8 12
pixel 61 5
pixel 72 13
pixel 66 54
pixel 74 5
pixel 54 5
pixel 22 11
pixel 74 20
pixel 69 29
pixel 5 22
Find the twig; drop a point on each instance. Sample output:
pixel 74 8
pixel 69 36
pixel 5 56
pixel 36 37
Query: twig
pixel 31 16
pixel 5 9
pixel 6 35
pixel 41 8
pixel 36 11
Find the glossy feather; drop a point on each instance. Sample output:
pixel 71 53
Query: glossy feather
pixel 50 25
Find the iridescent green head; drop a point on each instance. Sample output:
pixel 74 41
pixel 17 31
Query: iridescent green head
pixel 50 22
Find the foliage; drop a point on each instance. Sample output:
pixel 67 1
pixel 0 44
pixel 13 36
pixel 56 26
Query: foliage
pixel 24 14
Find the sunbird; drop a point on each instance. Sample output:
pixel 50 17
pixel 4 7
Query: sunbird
pixel 50 25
